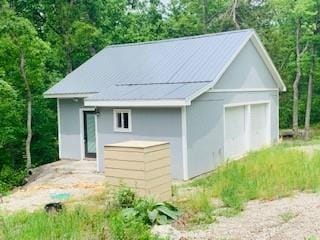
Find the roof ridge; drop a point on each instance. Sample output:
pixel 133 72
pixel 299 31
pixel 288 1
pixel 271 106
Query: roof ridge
pixel 179 38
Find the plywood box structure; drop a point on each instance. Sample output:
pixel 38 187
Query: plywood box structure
pixel 142 165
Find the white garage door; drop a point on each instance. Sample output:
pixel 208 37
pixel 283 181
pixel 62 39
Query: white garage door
pixel 246 129
pixel 235 132
pixel 258 126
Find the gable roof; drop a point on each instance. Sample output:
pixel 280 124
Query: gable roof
pixel 173 71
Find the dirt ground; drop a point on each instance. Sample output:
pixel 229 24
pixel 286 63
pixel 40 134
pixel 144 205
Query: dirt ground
pixel 77 178
pixel 296 217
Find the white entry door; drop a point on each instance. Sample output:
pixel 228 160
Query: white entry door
pixel 258 126
pixel 235 132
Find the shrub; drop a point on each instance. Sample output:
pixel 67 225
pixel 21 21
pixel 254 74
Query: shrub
pixel 146 210
pixel 125 197
pixel 10 178
pixel 123 228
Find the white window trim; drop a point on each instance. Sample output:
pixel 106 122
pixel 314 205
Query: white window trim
pixel 115 127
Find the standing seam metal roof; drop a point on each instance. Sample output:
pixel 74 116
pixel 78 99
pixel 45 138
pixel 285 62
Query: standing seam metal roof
pixel 165 69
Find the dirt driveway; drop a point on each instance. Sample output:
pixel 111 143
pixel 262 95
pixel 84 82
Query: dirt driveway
pixel 79 179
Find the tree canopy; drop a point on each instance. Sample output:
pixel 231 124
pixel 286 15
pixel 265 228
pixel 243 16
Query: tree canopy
pixel 42 41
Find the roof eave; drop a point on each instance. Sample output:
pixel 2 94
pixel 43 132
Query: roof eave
pixel 67 95
pixel 137 103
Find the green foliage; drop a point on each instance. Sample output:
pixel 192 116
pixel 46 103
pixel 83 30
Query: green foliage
pixel 198 208
pixel 149 212
pixel 163 213
pixel 79 223
pixel 10 178
pixel 123 228
pixel 56 37
pixel 268 174
pixel 125 197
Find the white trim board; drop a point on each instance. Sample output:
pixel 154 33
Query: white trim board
pixel 59 128
pixel 97 143
pixel 68 95
pixel 184 143
pixel 246 103
pixel 267 60
pixel 82 151
pixel 135 103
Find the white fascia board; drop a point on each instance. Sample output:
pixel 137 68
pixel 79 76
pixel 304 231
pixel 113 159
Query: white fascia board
pixel 243 90
pixel 211 84
pixel 136 103
pixel 268 61
pixel 68 95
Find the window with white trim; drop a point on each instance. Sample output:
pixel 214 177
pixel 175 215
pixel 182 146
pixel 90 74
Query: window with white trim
pixel 122 120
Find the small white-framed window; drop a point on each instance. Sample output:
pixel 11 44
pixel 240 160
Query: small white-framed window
pixel 122 120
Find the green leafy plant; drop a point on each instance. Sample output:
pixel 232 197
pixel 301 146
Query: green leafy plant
pixel 160 213
pixel 163 213
pixel 125 197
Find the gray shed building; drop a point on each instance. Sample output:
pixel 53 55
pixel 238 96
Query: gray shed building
pixel 213 97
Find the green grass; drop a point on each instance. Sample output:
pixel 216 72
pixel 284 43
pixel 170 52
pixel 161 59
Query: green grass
pixel 287 216
pixel 198 209
pixel 267 174
pixel 271 173
pixel 79 223
pixel 103 221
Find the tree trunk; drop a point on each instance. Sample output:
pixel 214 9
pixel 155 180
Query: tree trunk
pixel 29 109
pixel 295 109
pixel 309 97
pixel 205 16
pixel 234 14
pixel 68 50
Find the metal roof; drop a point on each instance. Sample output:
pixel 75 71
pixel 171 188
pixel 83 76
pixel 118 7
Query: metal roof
pixel 165 69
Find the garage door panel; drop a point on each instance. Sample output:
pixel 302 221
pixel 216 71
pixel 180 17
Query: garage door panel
pixel 258 126
pixel 246 129
pixel 235 131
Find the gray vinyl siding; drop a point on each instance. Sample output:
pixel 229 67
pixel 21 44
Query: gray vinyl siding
pixel 147 124
pixel 70 128
pixel 205 123
pixel 205 127
pixel 247 71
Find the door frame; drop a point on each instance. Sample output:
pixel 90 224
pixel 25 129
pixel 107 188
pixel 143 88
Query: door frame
pixel 87 154
pixel 82 143
pixel 247 106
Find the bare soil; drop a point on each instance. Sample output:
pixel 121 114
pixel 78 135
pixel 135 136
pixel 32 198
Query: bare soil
pixel 77 178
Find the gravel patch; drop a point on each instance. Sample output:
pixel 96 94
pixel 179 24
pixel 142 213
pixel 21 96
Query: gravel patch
pixel 294 218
